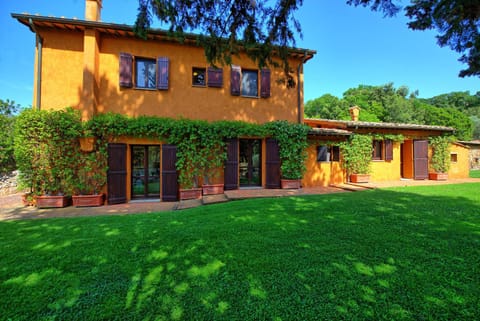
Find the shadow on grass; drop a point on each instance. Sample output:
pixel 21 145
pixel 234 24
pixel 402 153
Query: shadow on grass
pixel 403 254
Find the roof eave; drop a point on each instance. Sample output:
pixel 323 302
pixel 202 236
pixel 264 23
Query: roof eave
pixel 112 27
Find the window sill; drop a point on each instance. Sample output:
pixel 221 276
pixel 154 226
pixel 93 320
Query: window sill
pixel 147 89
pixel 244 96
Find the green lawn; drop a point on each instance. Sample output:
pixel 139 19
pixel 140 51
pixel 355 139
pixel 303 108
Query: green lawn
pixel 408 253
pixel 475 173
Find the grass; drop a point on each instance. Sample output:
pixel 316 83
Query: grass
pixel 397 254
pixel 475 173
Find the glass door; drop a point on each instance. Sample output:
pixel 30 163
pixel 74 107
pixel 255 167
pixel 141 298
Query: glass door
pixel 145 171
pixel 250 162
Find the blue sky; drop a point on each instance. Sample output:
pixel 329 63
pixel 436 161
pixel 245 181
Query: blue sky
pixel 354 47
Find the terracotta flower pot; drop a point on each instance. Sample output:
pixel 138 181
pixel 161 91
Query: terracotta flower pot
pixel 438 176
pixel 88 200
pixel 212 189
pixel 290 183
pixel 359 178
pixel 45 201
pixel 192 193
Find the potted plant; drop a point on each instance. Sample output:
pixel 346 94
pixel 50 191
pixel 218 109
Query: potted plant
pixel 189 189
pixel 214 155
pixel 292 142
pixel 440 161
pixel 45 145
pixel 187 136
pixel 91 178
pixel 357 154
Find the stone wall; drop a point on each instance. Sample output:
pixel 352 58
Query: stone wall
pixel 8 184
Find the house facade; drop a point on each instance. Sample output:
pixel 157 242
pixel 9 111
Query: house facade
pixel 97 67
pixel 400 151
pixel 474 154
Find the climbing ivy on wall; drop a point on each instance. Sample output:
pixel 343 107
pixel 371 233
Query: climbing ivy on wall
pixel 47 145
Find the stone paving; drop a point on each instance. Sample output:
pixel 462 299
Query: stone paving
pixel 11 207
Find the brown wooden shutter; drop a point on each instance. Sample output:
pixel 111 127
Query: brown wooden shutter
pixel 335 154
pixel 235 76
pixel 272 164
pixel 265 83
pixel 231 165
pixel 169 174
pixel 162 73
pixel 388 150
pixel 125 68
pixel 117 173
pixel 215 77
pixel 420 159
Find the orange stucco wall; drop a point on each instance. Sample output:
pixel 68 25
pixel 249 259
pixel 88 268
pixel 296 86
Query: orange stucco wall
pixel 460 168
pixel 387 170
pixel 321 173
pixel 82 70
pixel 62 69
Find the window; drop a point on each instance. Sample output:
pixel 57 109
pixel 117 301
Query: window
pixel 453 157
pixel 245 82
pixel 382 150
pixel 211 77
pixel 146 76
pixel 328 153
pixel 250 83
pixel 149 73
pixel 199 76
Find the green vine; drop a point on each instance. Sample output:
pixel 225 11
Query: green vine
pixel 357 154
pixel 440 161
pixel 293 143
pixel 398 138
pixel 50 158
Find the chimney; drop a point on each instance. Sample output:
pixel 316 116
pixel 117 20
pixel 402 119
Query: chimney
pixel 93 9
pixel 354 112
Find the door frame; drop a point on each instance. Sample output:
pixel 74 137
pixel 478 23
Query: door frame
pixel 250 166
pixel 146 174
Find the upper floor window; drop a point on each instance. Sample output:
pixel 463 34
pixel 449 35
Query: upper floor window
pixel 146 75
pixel 248 82
pixel 149 73
pixel 199 77
pixel 211 77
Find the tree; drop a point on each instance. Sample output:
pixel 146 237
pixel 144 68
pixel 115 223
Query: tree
pixel 476 126
pixel 457 22
pixel 264 29
pixel 326 107
pixel 386 103
pixel 8 109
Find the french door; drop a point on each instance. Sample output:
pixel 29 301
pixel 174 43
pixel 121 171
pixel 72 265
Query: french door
pixel 250 162
pixel 145 171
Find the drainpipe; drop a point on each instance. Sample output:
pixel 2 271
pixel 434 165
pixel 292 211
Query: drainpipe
pixel 39 42
pixel 299 102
